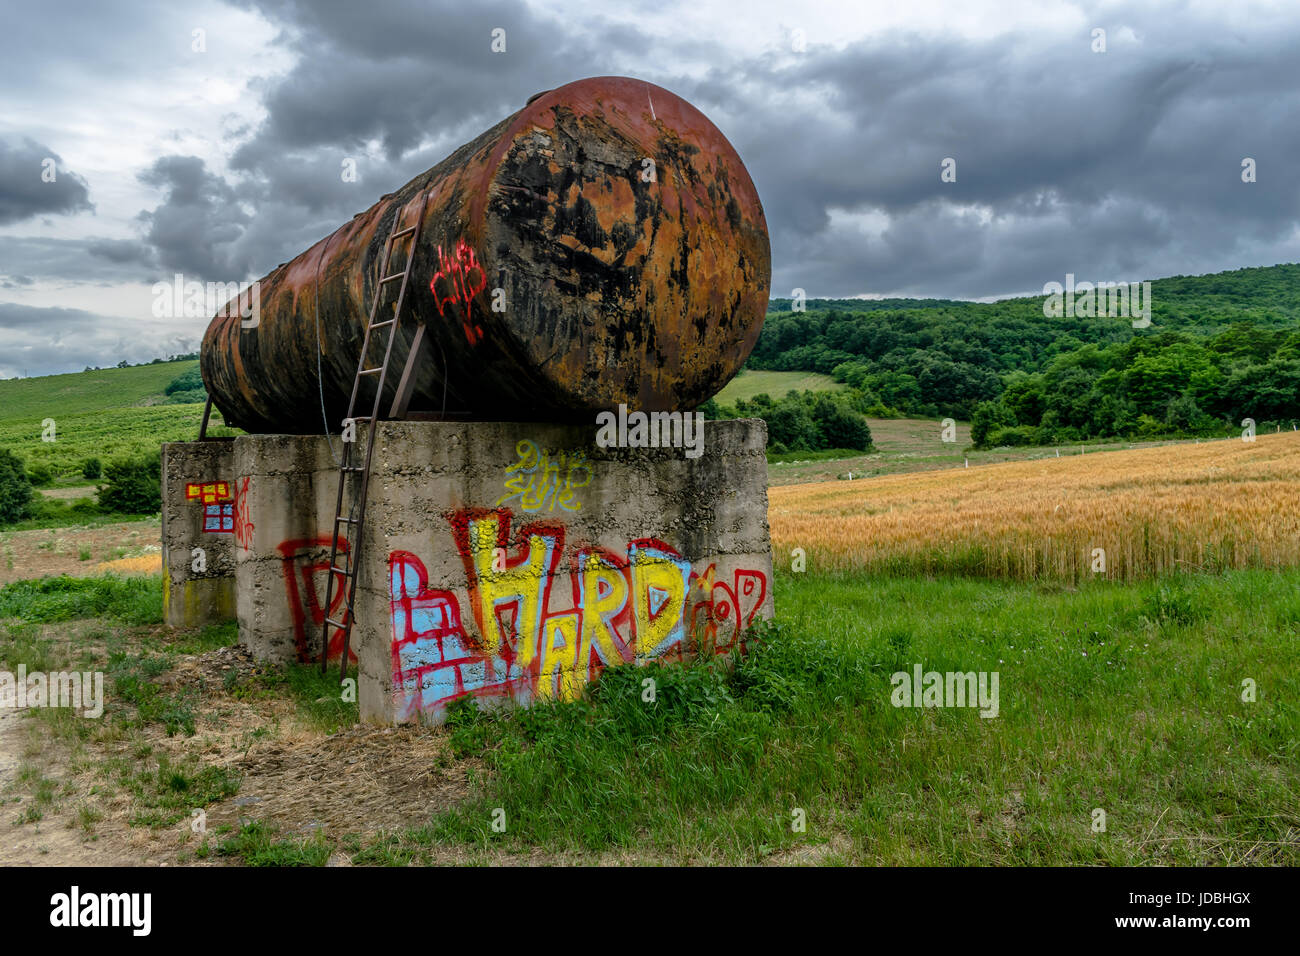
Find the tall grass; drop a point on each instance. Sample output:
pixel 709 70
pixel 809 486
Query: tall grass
pixel 1214 506
pixel 1120 697
pixel 127 600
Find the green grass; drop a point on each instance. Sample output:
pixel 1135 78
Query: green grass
pixel 51 396
pixel 104 433
pixel 130 600
pixel 257 844
pixel 105 414
pixel 132 678
pixel 751 382
pixel 1125 698
pixel 168 792
pixel 208 638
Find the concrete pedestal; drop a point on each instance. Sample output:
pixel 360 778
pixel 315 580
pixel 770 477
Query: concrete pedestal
pixel 510 562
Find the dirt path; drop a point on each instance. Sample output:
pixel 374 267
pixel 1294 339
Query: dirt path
pixel 299 781
pixel 54 840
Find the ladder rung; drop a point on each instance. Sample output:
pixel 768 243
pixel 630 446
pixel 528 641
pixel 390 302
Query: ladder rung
pixel 380 325
pixel 392 278
pixel 405 232
pixel 361 418
pixel 370 371
pixel 343 571
pixel 330 620
pixel 348 520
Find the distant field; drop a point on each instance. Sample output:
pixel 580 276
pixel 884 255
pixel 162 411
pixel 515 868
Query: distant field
pixel 104 434
pixel 103 414
pixel 750 383
pixel 907 445
pixel 50 396
pixel 1214 505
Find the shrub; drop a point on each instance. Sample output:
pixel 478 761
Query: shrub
pixel 92 468
pixel 989 417
pixel 190 381
pixel 132 486
pixel 40 476
pixel 15 488
pixel 840 427
pixel 1018 435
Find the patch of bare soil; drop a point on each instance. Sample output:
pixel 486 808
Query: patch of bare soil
pixel 295 778
pixel 359 781
pixel 54 839
pixel 70 493
pixel 34 554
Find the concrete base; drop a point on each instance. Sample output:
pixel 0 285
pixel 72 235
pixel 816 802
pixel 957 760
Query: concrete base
pixel 508 562
pixel 199 564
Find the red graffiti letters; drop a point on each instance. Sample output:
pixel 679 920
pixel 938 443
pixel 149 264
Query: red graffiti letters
pixel 304 580
pixel 243 528
pixel 458 279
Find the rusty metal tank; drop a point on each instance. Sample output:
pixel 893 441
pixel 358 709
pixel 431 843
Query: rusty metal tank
pixel 603 245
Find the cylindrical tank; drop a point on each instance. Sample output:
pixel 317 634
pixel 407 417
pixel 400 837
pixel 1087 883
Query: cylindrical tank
pixel 603 245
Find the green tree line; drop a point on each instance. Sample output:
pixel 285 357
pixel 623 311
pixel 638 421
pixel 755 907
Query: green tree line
pixel 1220 348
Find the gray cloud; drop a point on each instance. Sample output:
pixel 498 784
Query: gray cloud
pixel 25 190
pixel 194 228
pixel 44 341
pixel 1114 166
pixel 23 259
pixel 418 80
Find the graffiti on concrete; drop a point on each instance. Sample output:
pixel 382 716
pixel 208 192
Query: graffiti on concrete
pixel 218 506
pixel 243 528
pixel 305 563
pixel 528 637
pixel 544 480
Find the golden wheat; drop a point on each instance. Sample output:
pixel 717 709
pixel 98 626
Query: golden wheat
pixel 143 564
pixel 1223 504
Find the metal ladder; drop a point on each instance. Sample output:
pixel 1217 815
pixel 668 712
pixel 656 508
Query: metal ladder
pixel 356 462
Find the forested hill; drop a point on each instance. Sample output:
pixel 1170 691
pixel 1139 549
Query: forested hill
pixel 1218 348
pixel 1222 297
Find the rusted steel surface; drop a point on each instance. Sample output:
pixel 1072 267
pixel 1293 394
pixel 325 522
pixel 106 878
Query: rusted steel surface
pixel 615 286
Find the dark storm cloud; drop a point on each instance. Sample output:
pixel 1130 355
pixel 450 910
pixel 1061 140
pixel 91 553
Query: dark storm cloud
pixel 416 79
pixel 121 251
pixel 26 189
pixel 1112 165
pixel 406 71
pixel 74 260
pixel 194 228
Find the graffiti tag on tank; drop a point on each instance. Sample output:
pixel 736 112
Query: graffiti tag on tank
pixel 459 278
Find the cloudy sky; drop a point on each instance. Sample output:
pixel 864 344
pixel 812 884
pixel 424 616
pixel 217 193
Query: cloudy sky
pixel 208 138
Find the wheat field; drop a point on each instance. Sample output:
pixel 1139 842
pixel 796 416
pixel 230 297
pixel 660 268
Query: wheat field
pixel 1119 515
